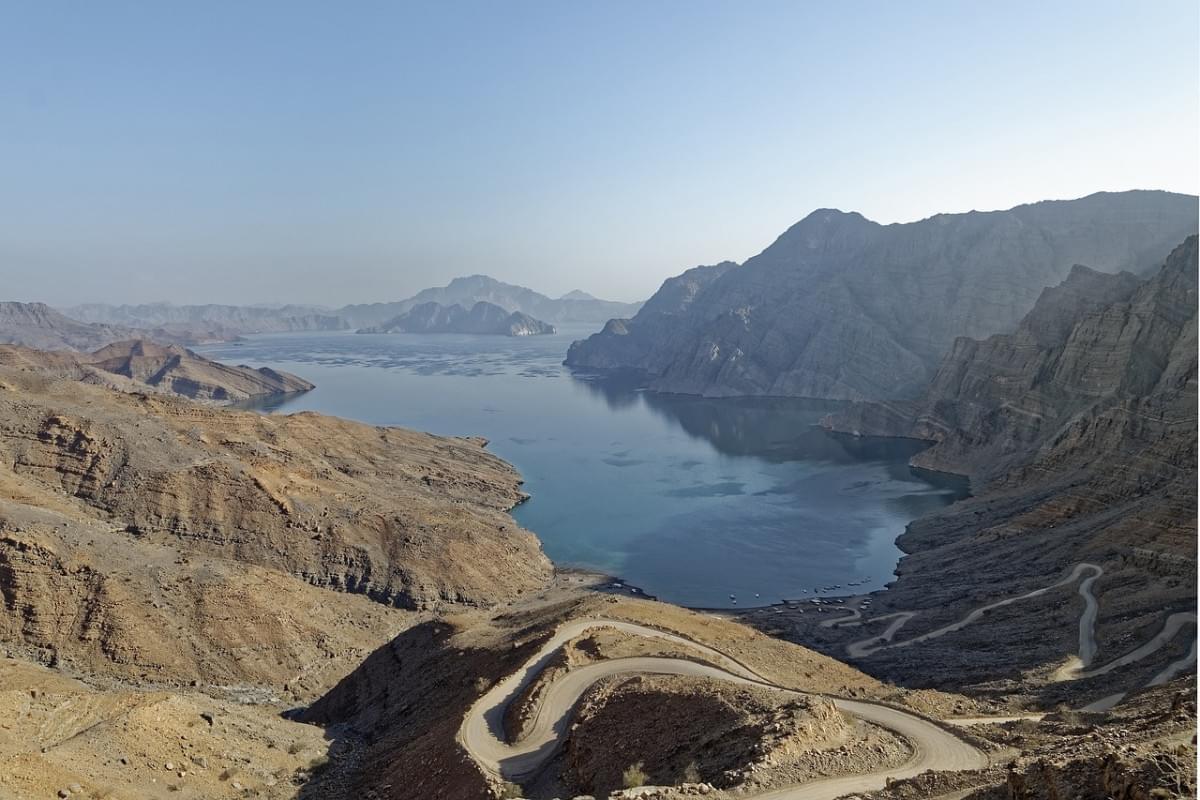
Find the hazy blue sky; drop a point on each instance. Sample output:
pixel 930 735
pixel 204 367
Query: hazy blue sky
pixel 333 152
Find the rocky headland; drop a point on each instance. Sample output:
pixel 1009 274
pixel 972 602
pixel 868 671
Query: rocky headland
pixel 142 366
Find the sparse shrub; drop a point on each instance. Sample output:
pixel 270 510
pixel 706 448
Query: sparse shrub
pixel 635 776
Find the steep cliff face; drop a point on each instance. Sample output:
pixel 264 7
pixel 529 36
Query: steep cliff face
pixel 644 342
pixel 139 365
pixel 844 308
pixel 1095 348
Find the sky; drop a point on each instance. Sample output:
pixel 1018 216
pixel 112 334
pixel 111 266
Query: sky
pixel 329 153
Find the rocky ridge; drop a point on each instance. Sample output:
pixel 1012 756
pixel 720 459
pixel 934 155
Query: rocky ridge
pixel 38 326
pixel 234 319
pixel 139 365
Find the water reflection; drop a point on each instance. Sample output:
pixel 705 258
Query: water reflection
pixel 692 498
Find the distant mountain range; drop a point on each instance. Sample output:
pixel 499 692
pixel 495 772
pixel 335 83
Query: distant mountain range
pixel 841 307
pixel 574 306
pixel 481 318
pixel 39 326
pixel 237 319
pixel 227 321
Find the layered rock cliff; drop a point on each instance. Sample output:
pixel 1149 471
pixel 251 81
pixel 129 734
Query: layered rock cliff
pixel 841 307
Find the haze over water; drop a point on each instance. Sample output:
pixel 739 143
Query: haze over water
pixel 691 499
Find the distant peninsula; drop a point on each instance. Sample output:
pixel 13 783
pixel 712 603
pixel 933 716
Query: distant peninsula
pixel 482 318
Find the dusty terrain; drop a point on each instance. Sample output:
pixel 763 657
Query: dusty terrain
pixel 58 734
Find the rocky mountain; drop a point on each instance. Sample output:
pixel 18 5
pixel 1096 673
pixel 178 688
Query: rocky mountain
pixel 1078 431
pixel 234 319
pixel 38 326
pixel 1090 346
pixel 841 307
pixel 574 306
pixel 481 318
pixel 139 365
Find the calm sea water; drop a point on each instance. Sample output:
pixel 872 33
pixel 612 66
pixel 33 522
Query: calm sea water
pixel 691 499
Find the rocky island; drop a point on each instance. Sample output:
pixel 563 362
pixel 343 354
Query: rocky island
pixel 482 318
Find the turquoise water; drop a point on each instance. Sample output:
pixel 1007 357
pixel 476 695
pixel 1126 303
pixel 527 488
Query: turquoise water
pixel 691 499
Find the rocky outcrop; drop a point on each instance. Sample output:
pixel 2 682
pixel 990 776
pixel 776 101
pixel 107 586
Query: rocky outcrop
pixel 233 319
pixel 139 365
pixel 574 306
pixel 841 307
pixel 482 318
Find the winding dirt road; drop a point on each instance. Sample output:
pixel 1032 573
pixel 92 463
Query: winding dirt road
pixel 482 731
pixel 1077 667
